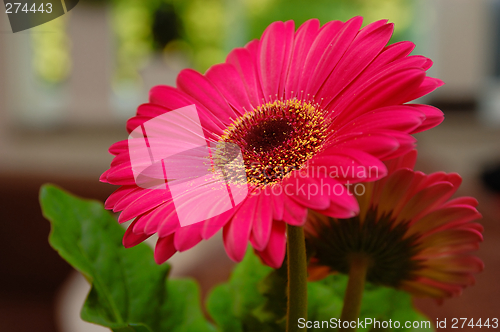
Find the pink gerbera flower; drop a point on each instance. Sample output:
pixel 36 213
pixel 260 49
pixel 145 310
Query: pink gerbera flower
pixel 409 232
pixel 292 101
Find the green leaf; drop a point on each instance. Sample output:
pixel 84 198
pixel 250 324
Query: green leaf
pixel 273 287
pixel 379 303
pixel 254 299
pixel 323 303
pixel 384 303
pixel 231 304
pixel 130 292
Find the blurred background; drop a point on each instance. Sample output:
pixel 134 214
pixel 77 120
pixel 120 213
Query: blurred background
pixel 68 86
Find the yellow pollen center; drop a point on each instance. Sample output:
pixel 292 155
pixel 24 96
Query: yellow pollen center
pixel 277 138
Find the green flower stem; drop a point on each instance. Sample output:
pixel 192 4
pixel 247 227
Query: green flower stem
pixel 297 278
pixel 354 292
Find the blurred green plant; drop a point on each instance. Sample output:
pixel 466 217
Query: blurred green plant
pixel 260 13
pixel 131 293
pixel 214 27
pixel 51 59
pixel 204 30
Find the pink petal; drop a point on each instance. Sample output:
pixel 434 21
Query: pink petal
pixel 162 220
pixel 453 178
pixel 401 118
pixel 135 122
pixel 434 288
pixel 242 60
pixel 276 193
pixel 384 89
pixel 392 53
pixel 393 194
pixel 451 278
pixel 294 214
pixel 406 142
pixel 126 200
pixel 120 159
pixel 348 164
pixel 425 200
pixel 213 225
pixel 473 227
pixel 253 48
pixel 451 237
pixel 151 110
pixel 406 161
pixel 237 231
pixel 444 218
pixel 200 88
pixel 262 224
pixel 228 81
pixel 173 99
pixel 428 85
pixel 359 55
pixel 104 176
pixel 117 196
pixel 188 236
pixel 462 201
pixel 325 36
pixel 145 112
pixel 433 117
pixel 274 253
pixel 469 264
pixel 118 147
pixel 121 175
pixel 144 202
pixel 131 239
pixel 275 50
pixel 304 37
pixel 444 251
pixel 164 249
pixel 309 192
pixel 378 145
pixel 372 27
pixel 415 61
pixel 343 204
pixel 335 55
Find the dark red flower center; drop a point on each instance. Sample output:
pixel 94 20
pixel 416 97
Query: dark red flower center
pixel 332 243
pixel 269 134
pixel 277 138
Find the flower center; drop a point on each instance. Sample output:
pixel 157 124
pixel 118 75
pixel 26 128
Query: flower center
pixel 277 138
pixel 391 254
pixel 268 134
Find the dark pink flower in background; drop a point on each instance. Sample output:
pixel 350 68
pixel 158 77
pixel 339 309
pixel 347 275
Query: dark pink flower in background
pixel 412 234
pixel 294 102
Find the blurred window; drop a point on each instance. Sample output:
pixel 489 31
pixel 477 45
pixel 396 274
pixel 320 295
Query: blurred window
pixel 96 64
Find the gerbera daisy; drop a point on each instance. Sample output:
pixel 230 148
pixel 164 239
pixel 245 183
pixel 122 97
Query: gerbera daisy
pixel 293 100
pixel 408 233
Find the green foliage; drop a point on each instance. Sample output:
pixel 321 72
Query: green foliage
pixel 231 305
pixel 380 303
pixel 130 293
pixel 385 303
pixel 261 13
pixel 254 299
